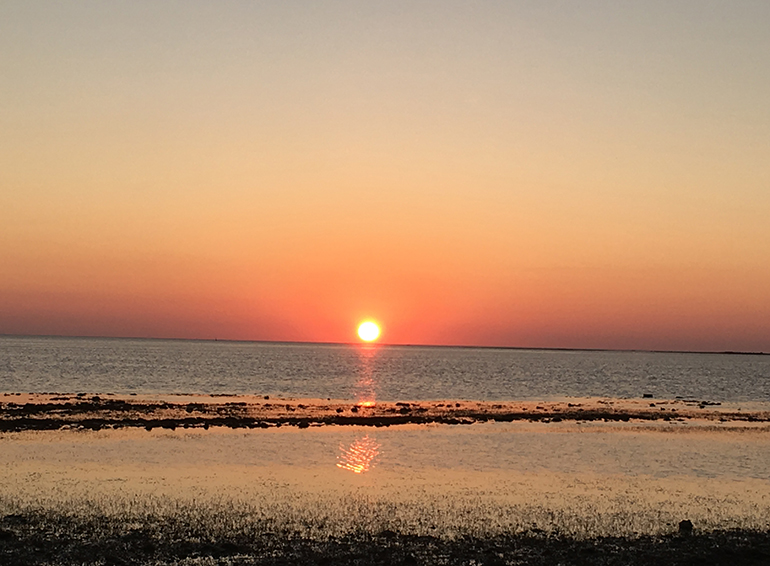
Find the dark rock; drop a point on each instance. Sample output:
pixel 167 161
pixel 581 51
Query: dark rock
pixel 647 396
pixel 685 527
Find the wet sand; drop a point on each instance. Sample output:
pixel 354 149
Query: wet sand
pixel 19 412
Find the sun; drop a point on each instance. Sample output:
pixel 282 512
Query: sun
pixel 368 331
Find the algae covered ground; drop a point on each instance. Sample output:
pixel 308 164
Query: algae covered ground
pixel 57 539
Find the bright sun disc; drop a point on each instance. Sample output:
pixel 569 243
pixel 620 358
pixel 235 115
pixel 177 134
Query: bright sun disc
pixel 368 331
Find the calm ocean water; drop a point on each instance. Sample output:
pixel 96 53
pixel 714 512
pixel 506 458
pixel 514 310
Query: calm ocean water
pixel 45 364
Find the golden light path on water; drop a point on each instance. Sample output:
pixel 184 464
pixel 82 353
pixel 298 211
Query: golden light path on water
pixel 359 456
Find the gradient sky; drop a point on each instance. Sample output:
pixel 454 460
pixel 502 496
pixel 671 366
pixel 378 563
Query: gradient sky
pixel 590 174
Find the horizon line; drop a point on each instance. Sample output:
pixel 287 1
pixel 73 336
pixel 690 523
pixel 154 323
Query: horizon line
pixel 464 346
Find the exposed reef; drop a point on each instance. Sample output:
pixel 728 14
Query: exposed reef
pixel 22 412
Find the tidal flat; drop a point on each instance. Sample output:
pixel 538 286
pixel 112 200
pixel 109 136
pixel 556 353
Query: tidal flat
pixel 561 486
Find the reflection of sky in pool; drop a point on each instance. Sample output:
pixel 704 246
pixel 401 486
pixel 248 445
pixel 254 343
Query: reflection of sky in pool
pixel 594 478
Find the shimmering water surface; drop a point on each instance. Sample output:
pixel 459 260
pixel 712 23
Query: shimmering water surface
pixel 42 364
pixel 585 480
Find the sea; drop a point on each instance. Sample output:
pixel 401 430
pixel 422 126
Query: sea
pixel 391 373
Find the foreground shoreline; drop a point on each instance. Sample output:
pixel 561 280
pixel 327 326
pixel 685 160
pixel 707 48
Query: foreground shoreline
pixel 38 411
pixel 46 538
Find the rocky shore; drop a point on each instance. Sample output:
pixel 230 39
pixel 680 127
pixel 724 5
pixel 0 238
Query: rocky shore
pixel 20 412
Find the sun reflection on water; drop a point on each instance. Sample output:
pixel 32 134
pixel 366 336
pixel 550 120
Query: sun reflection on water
pixel 359 456
pixel 365 388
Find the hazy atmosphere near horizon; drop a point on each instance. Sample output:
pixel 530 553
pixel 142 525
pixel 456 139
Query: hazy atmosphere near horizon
pixel 590 174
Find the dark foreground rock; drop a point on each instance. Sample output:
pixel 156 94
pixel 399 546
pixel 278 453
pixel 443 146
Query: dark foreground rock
pixel 45 539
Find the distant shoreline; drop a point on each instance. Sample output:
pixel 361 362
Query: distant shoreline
pixel 460 346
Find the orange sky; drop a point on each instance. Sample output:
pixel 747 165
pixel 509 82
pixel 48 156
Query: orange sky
pixel 496 173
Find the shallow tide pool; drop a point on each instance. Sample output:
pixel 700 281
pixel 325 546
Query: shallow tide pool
pixel 583 480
